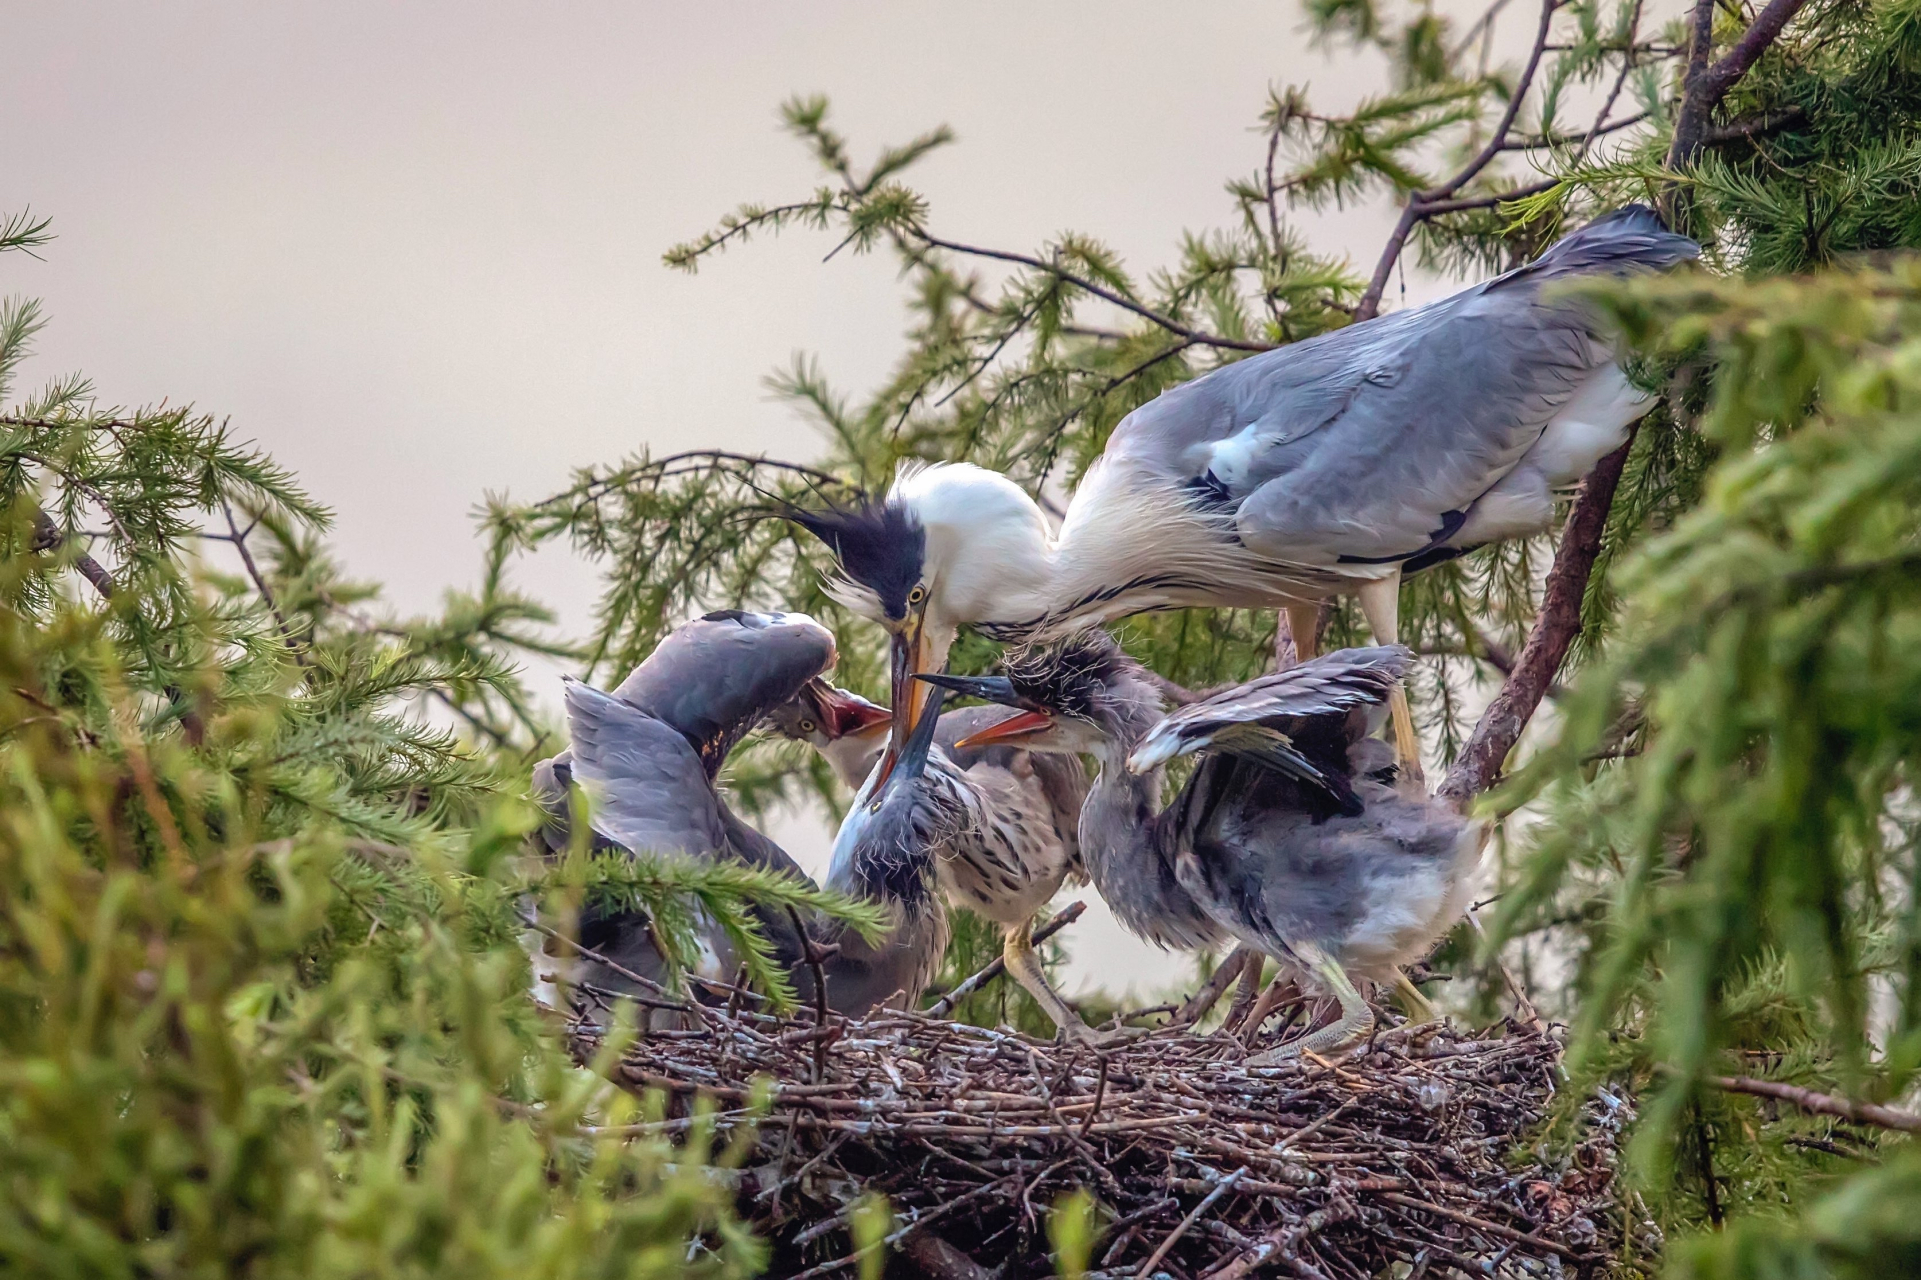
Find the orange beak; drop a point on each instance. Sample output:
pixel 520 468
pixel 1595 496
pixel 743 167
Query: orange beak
pixel 908 694
pixel 1022 724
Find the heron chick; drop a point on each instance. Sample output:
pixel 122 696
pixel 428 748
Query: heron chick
pixel 1015 840
pixel 1284 838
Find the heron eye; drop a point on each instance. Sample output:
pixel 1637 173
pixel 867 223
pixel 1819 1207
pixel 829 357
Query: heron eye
pixel 917 595
pixel 807 726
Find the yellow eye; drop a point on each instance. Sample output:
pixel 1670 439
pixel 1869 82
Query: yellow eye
pixel 917 595
pixel 807 726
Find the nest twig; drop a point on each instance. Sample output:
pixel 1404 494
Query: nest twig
pixel 1203 1166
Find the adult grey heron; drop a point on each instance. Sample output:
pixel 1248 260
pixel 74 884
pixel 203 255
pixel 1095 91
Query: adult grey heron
pixel 650 752
pixel 1013 841
pixel 1281 839
pixel 1331 465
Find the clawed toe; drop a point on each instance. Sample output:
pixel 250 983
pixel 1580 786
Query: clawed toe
pixel 1082 1034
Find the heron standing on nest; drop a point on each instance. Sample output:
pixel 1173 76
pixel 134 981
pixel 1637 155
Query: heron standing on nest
pixel 1328 466
pixel 1013 839
pixel 650 753
pixel 1281 839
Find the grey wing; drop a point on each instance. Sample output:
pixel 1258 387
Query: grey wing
pixel 1332 683
pixel 649 789
pixel 1375 442
pixel 715 677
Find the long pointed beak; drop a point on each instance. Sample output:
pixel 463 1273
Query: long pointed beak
pixel 908 694
pixel 913 757
pixel 987 688
pixel 1021 725
pixel 848 714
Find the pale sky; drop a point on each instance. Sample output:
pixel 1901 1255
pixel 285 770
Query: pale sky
pixel 414 250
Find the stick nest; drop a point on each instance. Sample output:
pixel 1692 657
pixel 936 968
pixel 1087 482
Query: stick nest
pixel 1413 1149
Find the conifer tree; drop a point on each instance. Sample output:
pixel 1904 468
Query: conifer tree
pixel 1716 878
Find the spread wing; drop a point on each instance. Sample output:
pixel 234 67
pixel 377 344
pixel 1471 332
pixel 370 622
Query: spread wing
pixel 1374 442
pixel 649 789
pixel 1263 719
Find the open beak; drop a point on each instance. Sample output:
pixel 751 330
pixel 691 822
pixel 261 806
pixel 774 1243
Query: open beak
pixel 846 715
pixel 908 694
pixel 1017 728
pixel 1026 722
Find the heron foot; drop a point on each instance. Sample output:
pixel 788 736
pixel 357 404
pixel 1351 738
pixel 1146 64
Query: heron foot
pixel 1024 966
pixel 1080 1033
pixel 1356 1022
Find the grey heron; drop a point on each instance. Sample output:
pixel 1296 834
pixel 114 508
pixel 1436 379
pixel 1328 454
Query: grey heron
pixel 1013 841
pixel 1281 839
pixel 650 752
pixel 1332 465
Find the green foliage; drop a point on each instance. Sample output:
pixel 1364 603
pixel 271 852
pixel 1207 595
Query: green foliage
pixel 263 999
pixel 1072 1229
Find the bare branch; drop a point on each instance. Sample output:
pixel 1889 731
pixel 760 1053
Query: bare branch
pixel 1824 1104
pixel 1120 300
pixel 1501 725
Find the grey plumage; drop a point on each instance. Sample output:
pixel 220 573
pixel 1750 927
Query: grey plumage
pixel 886 851
pixel 1010 835
pixel 1394 439
pixel 648 755
pixel 1320 866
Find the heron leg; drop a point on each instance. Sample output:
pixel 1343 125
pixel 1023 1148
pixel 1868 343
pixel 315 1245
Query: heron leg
pixel 1381 603
pixel 1024 966
pixel 1355 1022
pixel 1304 623
pixel 1420 1010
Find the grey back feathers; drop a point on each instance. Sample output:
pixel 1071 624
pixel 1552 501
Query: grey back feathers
pixel 1376 442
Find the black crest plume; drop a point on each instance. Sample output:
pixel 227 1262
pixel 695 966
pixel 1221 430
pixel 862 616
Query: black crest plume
pixel 879 545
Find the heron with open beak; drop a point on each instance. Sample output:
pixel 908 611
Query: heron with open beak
pixel 1015 840
pixel 1282 838
pixel 1327 467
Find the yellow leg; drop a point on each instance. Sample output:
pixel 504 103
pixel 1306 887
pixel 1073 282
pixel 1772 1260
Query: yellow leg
pixel 1381 603
pixel 1420 1010
pixel 1355 1022
pixel 1304 623
pixel 1024 966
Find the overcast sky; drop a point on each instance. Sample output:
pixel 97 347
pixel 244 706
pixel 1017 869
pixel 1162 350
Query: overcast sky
pixel 414 250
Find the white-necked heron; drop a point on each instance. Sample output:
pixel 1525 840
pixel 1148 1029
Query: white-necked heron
pixel 1331 465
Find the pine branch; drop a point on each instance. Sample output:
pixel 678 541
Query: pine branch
pixel 1823 1104
pixel 1081 282
pixel 1706 84
pixel 1422 205
pixel 1506 718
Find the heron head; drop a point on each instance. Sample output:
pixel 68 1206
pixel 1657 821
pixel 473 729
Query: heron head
pixel 949 545
pixel 1065 696
pixel 845 728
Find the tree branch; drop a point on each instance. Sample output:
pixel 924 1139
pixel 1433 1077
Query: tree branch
pixel 1416 210
pixel 1120 300
pixel 1502 724
pixel 1824 1104
pixel 1705 85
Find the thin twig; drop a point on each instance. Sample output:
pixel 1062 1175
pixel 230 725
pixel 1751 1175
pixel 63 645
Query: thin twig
pixel 1207 1202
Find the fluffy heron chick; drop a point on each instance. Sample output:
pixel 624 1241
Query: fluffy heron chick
pixel 1286 837
pixel 1012 842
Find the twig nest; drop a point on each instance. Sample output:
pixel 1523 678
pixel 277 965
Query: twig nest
pixel 1406 1150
